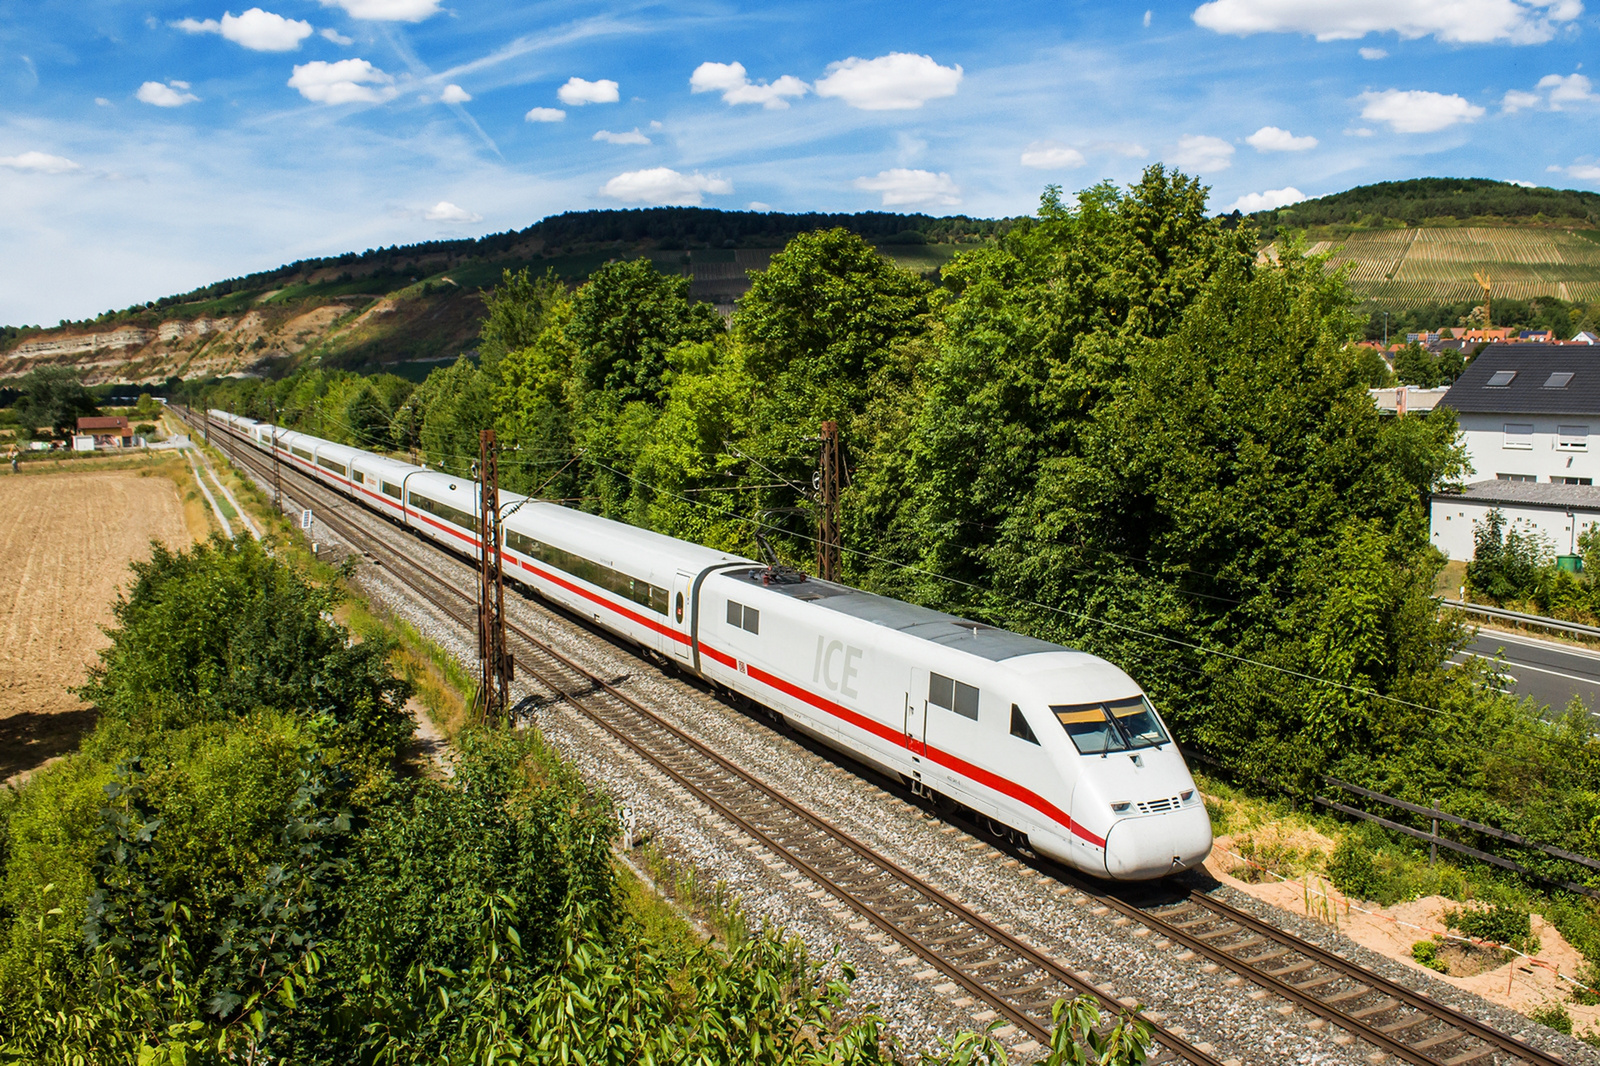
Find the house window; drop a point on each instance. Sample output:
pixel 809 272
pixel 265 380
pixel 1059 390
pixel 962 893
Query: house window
pixel 1515 477
pixel 1560 480
pixel 1500 379
pixel 952 695
pixel 1558 380
pixel 1572 438
pixel 1019 726
pixel 1519 435
pixel 746 618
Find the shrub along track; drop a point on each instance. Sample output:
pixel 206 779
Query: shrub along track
pixel 1017 980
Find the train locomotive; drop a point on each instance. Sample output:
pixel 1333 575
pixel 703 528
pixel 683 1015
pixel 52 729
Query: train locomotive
pixel 1052 745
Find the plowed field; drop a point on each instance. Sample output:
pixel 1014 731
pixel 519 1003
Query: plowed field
pixel 65 543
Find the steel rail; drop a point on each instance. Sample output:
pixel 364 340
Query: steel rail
pixel 1172 1047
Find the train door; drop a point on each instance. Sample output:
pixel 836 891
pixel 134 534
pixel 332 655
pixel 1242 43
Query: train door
pixel 916 725
pixel 682 617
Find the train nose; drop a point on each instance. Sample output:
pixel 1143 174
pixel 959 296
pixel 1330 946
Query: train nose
pixel 1143 848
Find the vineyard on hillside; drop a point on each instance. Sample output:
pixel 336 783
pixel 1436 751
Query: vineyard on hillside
pixel 1401 268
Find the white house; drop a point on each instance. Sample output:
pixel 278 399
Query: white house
pixel 1530 420
pixel 1557 514
pixel 1527 412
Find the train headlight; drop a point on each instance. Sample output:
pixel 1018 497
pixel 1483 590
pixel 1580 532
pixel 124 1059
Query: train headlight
pixel 1121 807
pixel 1186 795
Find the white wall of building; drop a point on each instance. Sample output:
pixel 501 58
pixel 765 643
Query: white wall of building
pixel 1543 447
pixel 1453 519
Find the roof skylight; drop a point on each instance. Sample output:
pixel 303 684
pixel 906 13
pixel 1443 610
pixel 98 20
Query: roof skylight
pixel 1558 380
pixel 1500 379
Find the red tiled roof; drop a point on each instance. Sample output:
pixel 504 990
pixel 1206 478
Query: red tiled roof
pixel 86 425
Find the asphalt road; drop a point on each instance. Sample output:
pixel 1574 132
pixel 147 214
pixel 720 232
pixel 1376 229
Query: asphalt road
pixel 1550 673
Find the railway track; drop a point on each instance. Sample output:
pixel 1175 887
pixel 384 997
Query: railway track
pixel 1018 981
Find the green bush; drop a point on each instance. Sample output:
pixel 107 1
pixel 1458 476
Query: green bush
pixel 1427 953
pixel 1555 1016
pixel 223 629
pixel 1498 923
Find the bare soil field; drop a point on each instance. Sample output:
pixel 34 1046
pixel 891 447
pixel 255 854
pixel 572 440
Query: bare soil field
pixel 66 539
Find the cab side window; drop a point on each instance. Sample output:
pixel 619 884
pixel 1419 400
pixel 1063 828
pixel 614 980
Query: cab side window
pixel 1019 726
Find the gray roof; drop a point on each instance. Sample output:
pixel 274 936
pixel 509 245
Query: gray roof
pixel 1526 394
pixel 1528 494
pixel 955 633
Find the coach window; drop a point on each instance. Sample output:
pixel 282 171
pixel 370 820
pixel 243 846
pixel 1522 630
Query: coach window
pixel 742 617
pixel 391 490
pixel 1019 726
pixel 952 695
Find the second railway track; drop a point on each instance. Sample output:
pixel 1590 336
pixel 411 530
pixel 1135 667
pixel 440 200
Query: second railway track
pixel 974 953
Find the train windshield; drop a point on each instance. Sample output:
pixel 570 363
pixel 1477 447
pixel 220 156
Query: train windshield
pixel 1114 725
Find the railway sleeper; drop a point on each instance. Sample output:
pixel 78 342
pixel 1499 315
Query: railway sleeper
pixel 1284 971
pixel 1385 1004
pixel 1466 1058
pixel 1316 982
pixel 1248 942
pixel 1445 1037
pixel 1356 993
pixel 1214 934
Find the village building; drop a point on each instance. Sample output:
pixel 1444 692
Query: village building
pixel 102 432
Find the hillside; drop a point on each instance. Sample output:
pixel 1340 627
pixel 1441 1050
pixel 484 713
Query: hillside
pixel 405 308
pixel 1419 243
pixel 1435 202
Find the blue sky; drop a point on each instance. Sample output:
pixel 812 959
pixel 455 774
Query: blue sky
pixel 149 148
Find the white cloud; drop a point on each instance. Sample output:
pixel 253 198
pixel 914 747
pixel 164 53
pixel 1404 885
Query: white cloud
pixel 757 205
pixel 577 92
pixel 1572 89
pixel 101 101
pixel 1525 184
pixel 336 37
pixel 1272 139
pixel 1516 100
pixel 387 10
pixel 348 81
pixel 662 185
pixel 39 163
pixel 1583 172
pixel 445 211
pixel 1418 111
pixel 1202 154
pixel 455 94
pixel 172 94
pixel 1373 53
pixel 545 114
pixel 1147 20
pixel 1359 131
pixel 1456 21
pixel 1251 202
pixel 1051 155
pixel 633 136
pixel 736 87
pixel 898 81
pixel 912 188
pixel 257 30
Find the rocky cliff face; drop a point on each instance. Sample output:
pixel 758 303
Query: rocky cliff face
pixel 185 347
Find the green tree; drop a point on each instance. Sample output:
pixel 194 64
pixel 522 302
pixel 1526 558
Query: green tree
pixel 625 319
pixel 515 312
pixel 1413 365
pixel 53 396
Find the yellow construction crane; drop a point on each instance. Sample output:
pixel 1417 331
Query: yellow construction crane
pixel 1482 278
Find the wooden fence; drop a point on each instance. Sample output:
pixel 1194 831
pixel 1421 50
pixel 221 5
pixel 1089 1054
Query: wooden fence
pixel 1432 836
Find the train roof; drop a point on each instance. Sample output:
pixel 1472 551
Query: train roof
pixel 948 630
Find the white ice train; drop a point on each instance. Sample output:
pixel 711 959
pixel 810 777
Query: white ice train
pixel 1058 745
